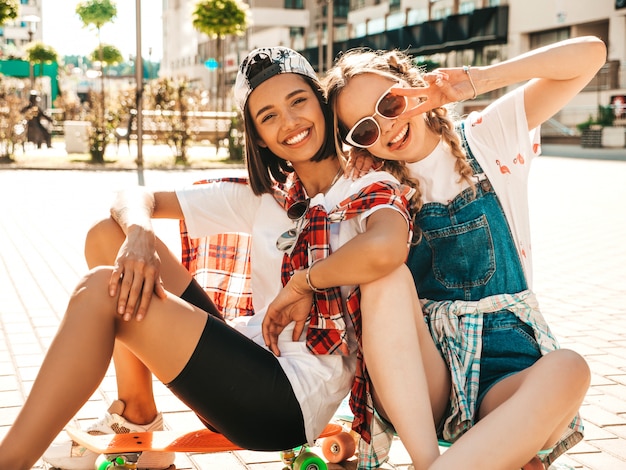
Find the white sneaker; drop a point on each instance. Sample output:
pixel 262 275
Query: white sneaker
pixel 71 456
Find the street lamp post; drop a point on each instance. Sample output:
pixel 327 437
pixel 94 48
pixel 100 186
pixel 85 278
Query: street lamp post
pixel 31 21
pixel 149 63
pixel 330 26
pixel 139 93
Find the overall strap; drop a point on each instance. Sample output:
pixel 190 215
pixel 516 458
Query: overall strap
pixel 459 127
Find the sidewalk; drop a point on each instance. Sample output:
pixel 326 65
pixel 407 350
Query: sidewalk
pixel 206 157
pixel 579 228
pixel 576 151
pixel 155 156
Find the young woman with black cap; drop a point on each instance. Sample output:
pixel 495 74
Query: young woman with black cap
pixel 316 237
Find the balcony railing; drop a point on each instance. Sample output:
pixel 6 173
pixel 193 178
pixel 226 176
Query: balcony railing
pixel 482 27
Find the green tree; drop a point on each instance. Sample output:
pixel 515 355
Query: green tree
pixel 9 9
pixel 97 13
pixel 176 104
pixel 218 19
pixel 107 54
pixel 39 53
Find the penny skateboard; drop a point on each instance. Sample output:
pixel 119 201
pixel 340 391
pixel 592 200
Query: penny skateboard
pixel 122 451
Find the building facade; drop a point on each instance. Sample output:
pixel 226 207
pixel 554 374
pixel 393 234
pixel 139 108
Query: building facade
pixel 444 32
pixel 15 35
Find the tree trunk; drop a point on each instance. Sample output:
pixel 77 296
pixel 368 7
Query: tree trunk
pixel 101 57
pixel 97 146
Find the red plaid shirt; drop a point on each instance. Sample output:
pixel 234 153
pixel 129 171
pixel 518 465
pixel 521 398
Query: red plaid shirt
pixel 221 265
pixel 327 329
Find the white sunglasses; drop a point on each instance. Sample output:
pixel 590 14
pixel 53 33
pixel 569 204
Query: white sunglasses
pixel 366 131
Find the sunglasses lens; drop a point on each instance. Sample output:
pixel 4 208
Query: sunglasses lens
pixel 365 133
pixel 297 209
pixel 287 240
pixel 391 106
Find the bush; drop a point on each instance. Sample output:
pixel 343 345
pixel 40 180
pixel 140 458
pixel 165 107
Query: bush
pixel 236 141
pixel 605 118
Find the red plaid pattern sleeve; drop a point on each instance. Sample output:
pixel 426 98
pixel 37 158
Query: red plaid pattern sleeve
pixel 221 265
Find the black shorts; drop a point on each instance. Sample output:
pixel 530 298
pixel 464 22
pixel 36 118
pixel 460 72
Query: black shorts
pixel 238 388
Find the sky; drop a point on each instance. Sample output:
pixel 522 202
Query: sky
pixel 62 29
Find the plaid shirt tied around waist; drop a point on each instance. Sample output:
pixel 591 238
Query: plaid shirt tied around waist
pixel 450 317
pixel 221 264
pixel 447 318
pixel 327 333
pixel 456 326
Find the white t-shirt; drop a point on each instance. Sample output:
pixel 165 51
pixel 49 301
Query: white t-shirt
pixel 504 148
pixel 320 382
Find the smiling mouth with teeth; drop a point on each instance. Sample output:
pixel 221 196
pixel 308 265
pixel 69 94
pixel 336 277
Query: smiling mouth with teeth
pixel 297 138
pixel 400 136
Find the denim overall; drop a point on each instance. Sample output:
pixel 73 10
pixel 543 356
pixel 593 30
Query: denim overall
pixel 467 253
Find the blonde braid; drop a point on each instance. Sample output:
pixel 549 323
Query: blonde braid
pixel 401 172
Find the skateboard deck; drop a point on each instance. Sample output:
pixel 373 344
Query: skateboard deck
pixel 201 441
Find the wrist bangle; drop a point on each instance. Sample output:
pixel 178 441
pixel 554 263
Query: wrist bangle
pixel 307 276
pixel 466 69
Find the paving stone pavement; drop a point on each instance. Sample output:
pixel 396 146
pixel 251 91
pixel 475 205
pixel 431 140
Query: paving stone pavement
pixel 579 233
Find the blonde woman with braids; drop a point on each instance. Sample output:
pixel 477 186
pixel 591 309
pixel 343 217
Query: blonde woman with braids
pixel 515 394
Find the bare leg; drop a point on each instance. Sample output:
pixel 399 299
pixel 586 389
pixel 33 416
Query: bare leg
pixel 80 354
pixel 411 380
pixel 571 400
pixel 534 464
pixel 134 379
pixel 522 414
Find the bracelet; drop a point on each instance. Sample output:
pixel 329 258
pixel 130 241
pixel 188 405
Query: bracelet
pixel 307 276
pixel 466 69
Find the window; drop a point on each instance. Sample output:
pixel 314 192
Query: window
pixel 294 4
pixel 417 16
pixel 548 37
pixel 360 30
pixel 441 13
pixel 296 36
pixel 341 32
pixel 466 7
pixel 396 20
pixel 341 8
pixel 376 26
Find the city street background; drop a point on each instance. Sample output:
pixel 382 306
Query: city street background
pixel 578 228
